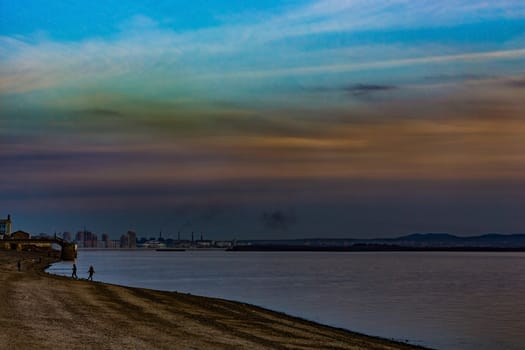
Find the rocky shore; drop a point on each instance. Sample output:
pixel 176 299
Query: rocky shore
pixel 42 311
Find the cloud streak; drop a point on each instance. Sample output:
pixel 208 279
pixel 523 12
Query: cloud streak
pixel 366 89
pixel 376 65
pixel 146 51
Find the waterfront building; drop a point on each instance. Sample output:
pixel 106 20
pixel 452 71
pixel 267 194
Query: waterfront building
pixel 113 244
pixel 153 244
pixel 224 244
pixel 5 227
pixel 203 243
pixel 20 235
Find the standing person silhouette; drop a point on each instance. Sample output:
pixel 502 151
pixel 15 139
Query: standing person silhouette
pixel 91 271
pixel 74 274
pixel 19 265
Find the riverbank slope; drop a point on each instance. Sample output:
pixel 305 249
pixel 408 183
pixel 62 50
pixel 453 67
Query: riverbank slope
pixel 41 311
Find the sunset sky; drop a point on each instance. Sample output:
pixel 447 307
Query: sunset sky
pixel 264 118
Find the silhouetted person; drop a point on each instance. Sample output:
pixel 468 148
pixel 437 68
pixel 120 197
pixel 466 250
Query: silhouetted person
pixel 19 265
pixel 74 274
pixel 91 271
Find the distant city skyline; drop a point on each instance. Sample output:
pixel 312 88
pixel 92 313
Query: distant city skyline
pixel 263 119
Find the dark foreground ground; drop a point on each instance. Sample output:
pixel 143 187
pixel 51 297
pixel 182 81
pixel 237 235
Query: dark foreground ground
pixel 41 311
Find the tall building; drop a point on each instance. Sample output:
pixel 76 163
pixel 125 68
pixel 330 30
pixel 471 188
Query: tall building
pixel 66 236
pixel 129 240
pixel 132 239
pixel 124 241
pixel 80 237
pixel 5 227
pixel 105 240
pixel 86 239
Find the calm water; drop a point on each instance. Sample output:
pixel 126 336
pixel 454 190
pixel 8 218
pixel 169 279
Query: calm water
pixel 440 300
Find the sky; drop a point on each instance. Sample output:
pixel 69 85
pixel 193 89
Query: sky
pixel 263 119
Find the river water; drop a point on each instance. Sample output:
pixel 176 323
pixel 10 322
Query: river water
pixel 440 300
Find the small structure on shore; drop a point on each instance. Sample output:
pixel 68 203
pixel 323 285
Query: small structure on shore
pixel 21 240
pixel 68 251
pixel 20 235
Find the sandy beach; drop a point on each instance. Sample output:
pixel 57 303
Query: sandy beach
pixel 42 311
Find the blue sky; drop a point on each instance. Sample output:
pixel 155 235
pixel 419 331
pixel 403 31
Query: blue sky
pixel 75 20
pixel 305 107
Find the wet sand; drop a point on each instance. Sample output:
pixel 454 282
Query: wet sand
pixel 42 311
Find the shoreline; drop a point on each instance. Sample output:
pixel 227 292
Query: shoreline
pixel 41 310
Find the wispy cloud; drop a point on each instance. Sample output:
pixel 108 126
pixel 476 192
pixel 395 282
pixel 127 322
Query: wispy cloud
pixel 384 64
pixel 327 16
pixel 154 54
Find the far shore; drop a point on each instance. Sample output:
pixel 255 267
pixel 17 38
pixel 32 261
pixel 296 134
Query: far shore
pixel 43 311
